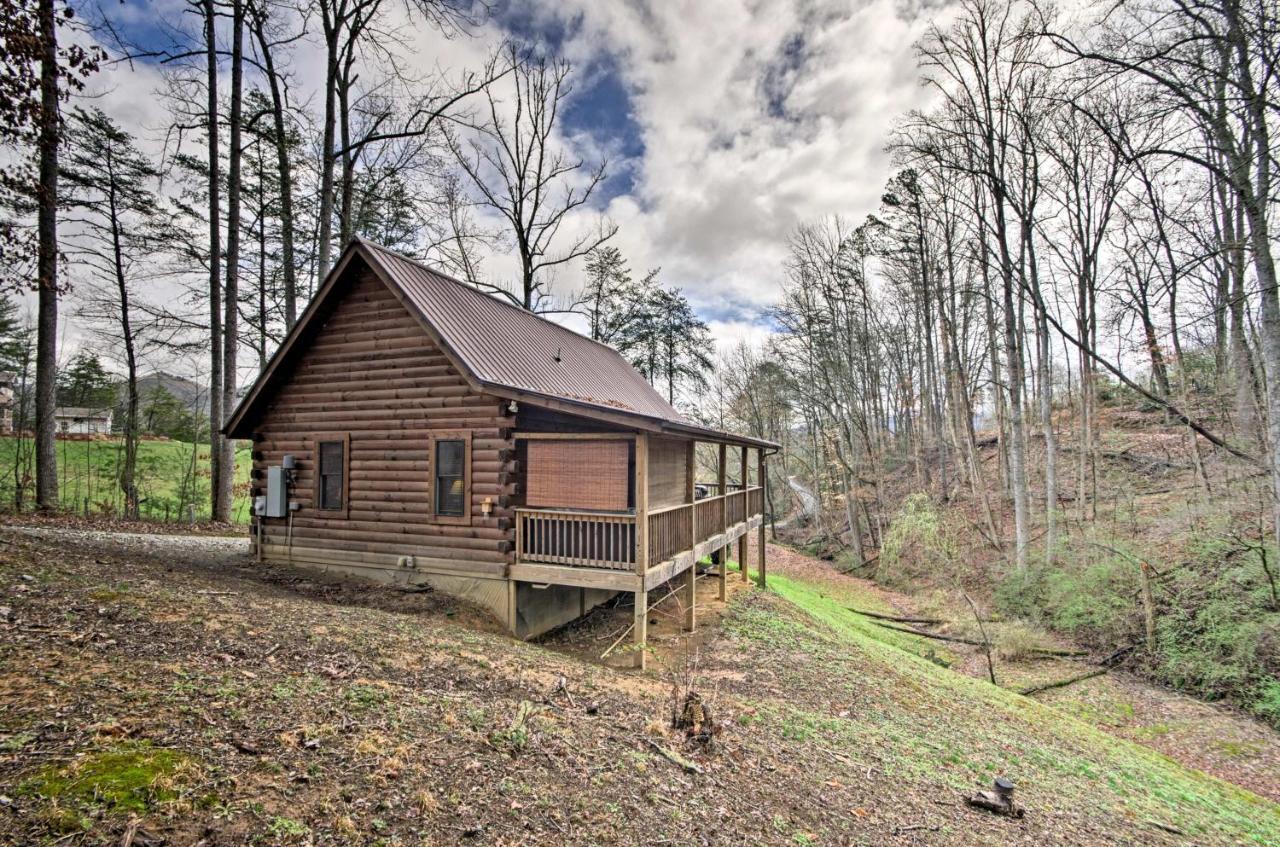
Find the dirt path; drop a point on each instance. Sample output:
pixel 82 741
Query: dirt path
pixel 1208 737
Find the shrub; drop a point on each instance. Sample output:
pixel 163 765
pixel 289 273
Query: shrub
pixel 1266 702
pixel 918 544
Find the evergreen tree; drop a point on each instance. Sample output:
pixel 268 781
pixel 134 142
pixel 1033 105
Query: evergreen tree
pixel 85 383
pixel 13 336
pixel 110 192
pixel 608 285
pixel 659 333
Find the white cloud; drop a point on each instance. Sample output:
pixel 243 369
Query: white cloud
pixel 755 117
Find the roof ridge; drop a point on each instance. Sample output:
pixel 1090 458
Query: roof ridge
pixel 469 287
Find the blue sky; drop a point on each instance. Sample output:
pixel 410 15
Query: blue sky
pixel 726 123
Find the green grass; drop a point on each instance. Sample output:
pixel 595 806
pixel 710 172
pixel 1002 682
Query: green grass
pixel 87 473
pixel 929 724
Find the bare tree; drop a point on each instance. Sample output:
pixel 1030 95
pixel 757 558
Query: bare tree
pixel 262 24
pixel 354 30
pixel 1216 63
pixel 522 171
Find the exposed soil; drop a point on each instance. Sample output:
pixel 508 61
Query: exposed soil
pixel 172 690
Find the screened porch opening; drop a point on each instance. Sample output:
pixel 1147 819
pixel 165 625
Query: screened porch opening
pixel 580 506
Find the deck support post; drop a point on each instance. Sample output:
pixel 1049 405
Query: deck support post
pixel 722 482
pixel 691 598
pixel 642 545
pixel 742 544
pixel 512 593
pixel 724 574
pixel 764 505
pixel 641 629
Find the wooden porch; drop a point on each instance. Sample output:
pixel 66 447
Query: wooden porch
pixel 638 550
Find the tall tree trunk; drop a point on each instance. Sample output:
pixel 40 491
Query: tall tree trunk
pixel 1242 366
pixel 1264 267
pixel 347 182
pixel 128 471
pixel 215 260
pixel 47 265
pixel 851 507
pixel 332 29
pixel 1050 442
pixel 284 169
pixel 262 267
pixel 231 292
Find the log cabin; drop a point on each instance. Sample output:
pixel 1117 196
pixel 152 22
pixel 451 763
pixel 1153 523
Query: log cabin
pixel 413 429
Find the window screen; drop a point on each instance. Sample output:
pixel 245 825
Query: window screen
pixel 331 474
pixel 579 475
pixel 451 478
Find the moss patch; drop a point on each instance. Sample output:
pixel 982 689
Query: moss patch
pixel 125 778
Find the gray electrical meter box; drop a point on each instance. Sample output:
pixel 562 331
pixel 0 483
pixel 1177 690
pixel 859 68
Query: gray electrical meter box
pixel 277 493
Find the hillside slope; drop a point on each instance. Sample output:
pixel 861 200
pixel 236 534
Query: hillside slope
pixel 177 689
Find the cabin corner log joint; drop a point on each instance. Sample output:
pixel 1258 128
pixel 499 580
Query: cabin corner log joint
pixel 415 430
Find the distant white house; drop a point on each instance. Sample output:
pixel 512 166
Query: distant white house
pixel 76 420
pixel 7 381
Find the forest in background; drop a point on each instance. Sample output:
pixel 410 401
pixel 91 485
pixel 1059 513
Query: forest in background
pixel 1067 294
pixel 200 260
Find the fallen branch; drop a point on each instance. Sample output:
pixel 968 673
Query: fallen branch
pixel 676 759
pixel 1062 683
pixel 956 639
pixel 894 618
pixel 1053 651
pixel 1115 658
pixel 1172 830
pixel 936 636
pixel 915 827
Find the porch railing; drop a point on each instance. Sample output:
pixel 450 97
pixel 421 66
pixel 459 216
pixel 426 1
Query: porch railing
pixel 670 532
pixel 735 507
pixel 710 517
pixel 608 540
pixel 584 539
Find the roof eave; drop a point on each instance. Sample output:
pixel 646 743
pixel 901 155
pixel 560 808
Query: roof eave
pixel 624 417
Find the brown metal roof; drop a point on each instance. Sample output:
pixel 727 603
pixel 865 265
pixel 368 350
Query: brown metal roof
pixel 498 345
pixel 503 344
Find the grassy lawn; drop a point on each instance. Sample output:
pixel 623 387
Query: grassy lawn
pixel 167 480
pixel 929 724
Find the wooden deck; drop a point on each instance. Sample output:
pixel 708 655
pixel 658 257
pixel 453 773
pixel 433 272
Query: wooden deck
pixel 604 550
pixel 615 579
pixel 642 548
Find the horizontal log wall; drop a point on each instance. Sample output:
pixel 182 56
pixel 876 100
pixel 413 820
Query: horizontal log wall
pixel 373 373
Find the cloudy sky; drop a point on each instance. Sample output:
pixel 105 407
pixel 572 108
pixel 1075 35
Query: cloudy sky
pixel 725 122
